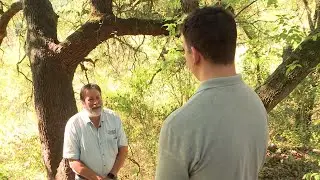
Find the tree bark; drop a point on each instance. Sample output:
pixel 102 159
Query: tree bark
pixel 52 80
pixel 101 7
pixel 54 104
pixel 53 65
pixel 189 5
pixel 79 44
pixel 282 82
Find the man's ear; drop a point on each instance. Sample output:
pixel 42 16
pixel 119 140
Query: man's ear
pixel 196 55
pixel 83 103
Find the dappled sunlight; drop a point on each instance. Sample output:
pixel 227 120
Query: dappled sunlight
pixel 145 78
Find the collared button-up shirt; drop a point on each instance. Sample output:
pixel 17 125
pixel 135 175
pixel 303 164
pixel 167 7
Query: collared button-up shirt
pixel 97 148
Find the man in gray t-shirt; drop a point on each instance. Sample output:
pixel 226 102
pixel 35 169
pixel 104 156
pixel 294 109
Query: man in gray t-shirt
pixel 221 132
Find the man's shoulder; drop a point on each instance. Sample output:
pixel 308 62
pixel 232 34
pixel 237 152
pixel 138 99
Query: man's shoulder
pixel 109 112
pixel 111 115
pixel 75 119
pixel 180 116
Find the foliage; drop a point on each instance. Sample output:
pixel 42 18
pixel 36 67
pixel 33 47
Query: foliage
pixel 144 79
pixel 289 163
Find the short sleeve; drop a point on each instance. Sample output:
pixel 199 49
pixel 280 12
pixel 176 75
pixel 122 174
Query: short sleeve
pixel 172 164
pixel 71 144
pixel 122 138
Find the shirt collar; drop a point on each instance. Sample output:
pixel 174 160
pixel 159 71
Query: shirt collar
pixel 220 82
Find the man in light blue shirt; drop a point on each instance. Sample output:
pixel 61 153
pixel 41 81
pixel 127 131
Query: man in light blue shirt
pixel 221 133
pixel 94 141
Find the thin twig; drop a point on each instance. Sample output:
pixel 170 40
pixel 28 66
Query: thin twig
pixel 161 55
pixel 154 75
pixel 134 161
pixel 29 98
pixel 84 69
pixel 311 24
pixel 245 8
pixel 20 72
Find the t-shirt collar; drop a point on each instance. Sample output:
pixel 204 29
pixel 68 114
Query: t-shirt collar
pixel 220 82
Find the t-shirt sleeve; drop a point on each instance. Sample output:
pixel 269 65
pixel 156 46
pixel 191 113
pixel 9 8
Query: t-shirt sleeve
pixel 172 162
pixel 122 138
pixel 71 144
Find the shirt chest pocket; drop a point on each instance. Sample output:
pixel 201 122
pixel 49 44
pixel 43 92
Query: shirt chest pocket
pixel 111 140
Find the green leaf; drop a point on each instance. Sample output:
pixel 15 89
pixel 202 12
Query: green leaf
pixel 171 28
pixel 305 176
pixel 291 67
pixel 272 2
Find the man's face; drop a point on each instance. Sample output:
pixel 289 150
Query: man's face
pixel 92 102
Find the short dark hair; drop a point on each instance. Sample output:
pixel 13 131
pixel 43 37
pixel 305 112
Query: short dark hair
pixel 87 87
pixel 213 32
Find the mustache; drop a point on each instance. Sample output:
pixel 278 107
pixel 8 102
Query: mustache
pixel 97 107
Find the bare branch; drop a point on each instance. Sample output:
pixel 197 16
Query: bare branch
pixel 311 24
pixel 154 75
pixel 135 49
pixel 134 161
pixel 126 7
pixel 20 72
pixel 6 17
pixel 316 16
pixel 91 61
pixel 161 55
pixel 85 70
pixel 247 6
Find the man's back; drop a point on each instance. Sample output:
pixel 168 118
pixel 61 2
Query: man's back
pixel 220 133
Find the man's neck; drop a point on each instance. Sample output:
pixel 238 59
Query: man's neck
pixel 209 71
pixel 95 121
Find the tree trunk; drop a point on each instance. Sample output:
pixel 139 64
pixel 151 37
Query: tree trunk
pixel 54 104
pixel 53 65
pixel 52 81
pixel 6 17
pixel 283 80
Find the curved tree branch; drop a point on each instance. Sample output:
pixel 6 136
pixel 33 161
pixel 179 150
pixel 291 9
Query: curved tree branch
pixel 245 8
pixel 6 17
pixel 90 35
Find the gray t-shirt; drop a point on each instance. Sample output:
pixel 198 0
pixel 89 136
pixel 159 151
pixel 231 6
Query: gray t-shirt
pixel 221 133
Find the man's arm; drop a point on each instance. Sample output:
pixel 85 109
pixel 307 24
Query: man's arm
pixel 81 169
pixel 172 162
pixel 121 157
pixel 71 151
pixel 122 149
